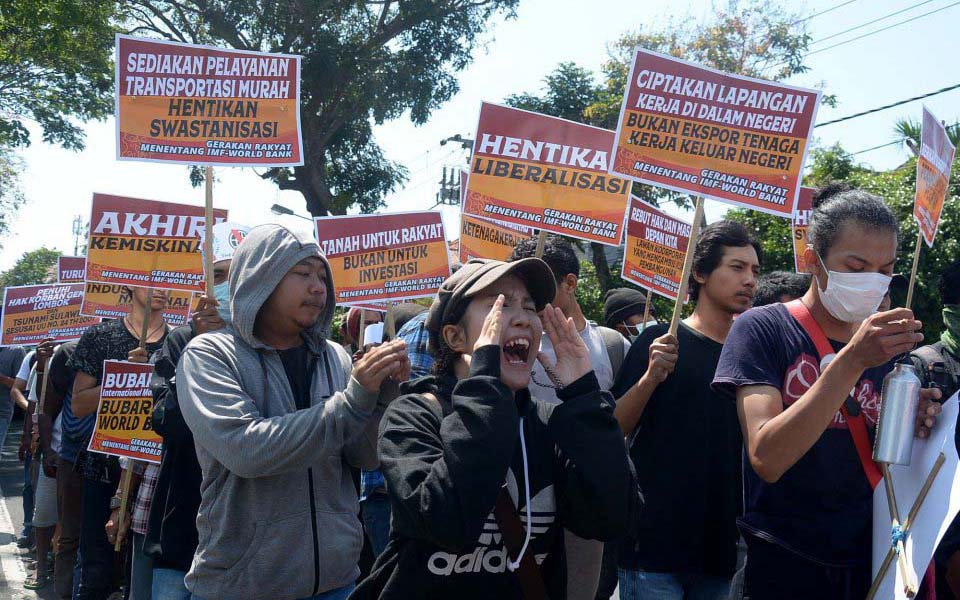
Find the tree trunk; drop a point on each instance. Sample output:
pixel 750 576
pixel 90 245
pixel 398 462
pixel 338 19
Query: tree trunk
pixel 600 264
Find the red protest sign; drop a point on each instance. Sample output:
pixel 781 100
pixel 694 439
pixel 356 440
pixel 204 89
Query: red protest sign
pixel 656 247
pixel 933 175
pixel 700 131
pixel 546 173
pixel 123 426
pixel 146 243
pixel 799 226
pixel 33 313
pixel 185 103
pixel 374 258
pixel 71 269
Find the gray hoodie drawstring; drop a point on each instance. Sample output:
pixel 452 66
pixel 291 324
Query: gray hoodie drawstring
pixel 511 564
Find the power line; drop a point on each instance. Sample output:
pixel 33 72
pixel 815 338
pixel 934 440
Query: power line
pixel 862 25
pixel 822 12
pixel 882 29
pixel 885 107
pixel 875 148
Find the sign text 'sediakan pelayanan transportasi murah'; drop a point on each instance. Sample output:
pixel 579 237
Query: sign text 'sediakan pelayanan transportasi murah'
pixel 700 131
pixel 193 104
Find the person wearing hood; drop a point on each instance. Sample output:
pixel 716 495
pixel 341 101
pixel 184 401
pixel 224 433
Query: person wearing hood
pixel 171 530
pixel 278 418
pixel 806 378
pixel 483 477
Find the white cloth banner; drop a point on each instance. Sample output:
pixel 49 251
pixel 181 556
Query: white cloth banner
pixel 936 513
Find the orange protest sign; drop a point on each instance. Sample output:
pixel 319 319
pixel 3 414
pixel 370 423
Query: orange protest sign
pixel 480 238
pixel 33 313
pixel 111 301
pixel 800 225
pixel 700 131
pixel 146 243
pixel 546 173
pixel 123 426
pixel 933 175
pixel 70 269
pixel 656 247
pixel 374 258
pixel 192 104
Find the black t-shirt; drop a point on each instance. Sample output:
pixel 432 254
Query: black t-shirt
pixel 298 364
pixel 822 507
pixel 108 340
pixel 686 450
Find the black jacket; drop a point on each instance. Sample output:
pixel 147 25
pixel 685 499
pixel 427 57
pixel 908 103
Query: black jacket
pixel 171 538
pixel 445 463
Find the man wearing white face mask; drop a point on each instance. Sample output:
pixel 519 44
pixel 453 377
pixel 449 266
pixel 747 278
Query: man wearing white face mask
pixel 806 377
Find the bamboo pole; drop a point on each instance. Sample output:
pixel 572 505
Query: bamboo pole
pixel 541 244
pixel 124 498
pixel 208 232
pixel 646 309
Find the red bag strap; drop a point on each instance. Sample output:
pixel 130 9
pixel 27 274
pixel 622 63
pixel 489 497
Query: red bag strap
pixel 855 422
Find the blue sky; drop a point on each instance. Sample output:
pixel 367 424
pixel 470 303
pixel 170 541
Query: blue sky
pixel 904 61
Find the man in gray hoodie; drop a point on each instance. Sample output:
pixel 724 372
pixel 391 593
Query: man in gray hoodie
pixel 278 419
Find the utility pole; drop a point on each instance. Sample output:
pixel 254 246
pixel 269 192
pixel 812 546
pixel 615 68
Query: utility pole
pixel 449 193
pixel 79 231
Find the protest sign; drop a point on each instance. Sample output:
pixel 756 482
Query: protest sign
pixel 932 517
pixel 111 301
pixel 385 257
pixel 123 426
pixel 33 313
pixel 697 130
pixel 546 173
pixel 70 269
pixel 480 238
pixel 191 104
pixel 799 227
pixel 656 246
pixel 146 243
pixel 933 175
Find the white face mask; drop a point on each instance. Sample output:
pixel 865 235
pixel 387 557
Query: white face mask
pixel 852 297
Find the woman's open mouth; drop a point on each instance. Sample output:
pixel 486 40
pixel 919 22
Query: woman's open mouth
pixel 517 351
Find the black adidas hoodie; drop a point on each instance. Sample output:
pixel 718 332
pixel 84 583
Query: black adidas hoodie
pixel 445 463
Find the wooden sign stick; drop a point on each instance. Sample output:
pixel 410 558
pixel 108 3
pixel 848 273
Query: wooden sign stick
pixel 541 243
pixel 906 573
pixel 145 326
pixel 913 270
pixel 124 498
pixel 208 232
pixel 687 265
pixel 363 324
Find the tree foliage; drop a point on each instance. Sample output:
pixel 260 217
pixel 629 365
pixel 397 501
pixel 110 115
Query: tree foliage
pixel 364 63
pixel 909 129
pixel 32 268
pixel 55 63
pixel 11 196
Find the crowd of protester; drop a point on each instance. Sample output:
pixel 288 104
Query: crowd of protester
pixel 496 443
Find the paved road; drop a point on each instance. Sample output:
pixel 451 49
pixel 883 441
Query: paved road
pixel 13 569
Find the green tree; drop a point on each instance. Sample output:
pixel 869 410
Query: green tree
pixel 11 196
pixel 909 129
pixel 55 64
pixel 364 62
pixel 32 268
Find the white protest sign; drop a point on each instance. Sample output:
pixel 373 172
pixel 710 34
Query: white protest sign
pixel 937 511
pixel 373 333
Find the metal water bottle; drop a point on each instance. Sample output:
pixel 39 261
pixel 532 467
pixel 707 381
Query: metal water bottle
pixel 899 402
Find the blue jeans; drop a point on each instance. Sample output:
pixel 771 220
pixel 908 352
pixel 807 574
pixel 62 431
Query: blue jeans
pixel 643 585
pixel 27 497
pixel 141 570
pixel 168 585
pixel 376 521
pixel 337 594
